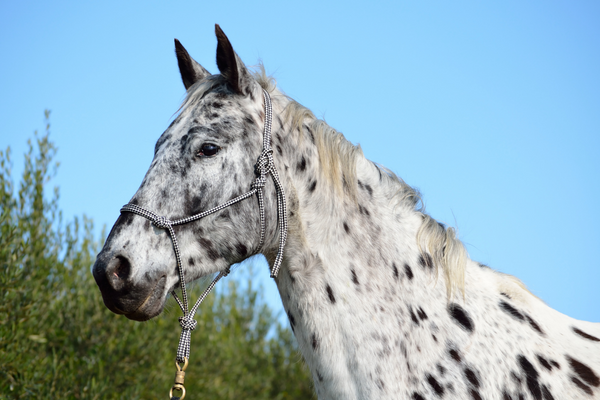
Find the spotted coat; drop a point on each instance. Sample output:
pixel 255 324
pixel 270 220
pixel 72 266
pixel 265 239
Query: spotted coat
pixel 369 307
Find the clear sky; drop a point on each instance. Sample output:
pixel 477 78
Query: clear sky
pixel 491 109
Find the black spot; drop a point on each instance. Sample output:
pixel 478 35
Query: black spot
pixel 279 149
pixel 555 364
pixel 217 104
pixel 312 186
pixel 163 138
pixel 474 394
pixel 164 194
pixel 582 386
pixel 346 227
pixel 292 319
pixel 441 369
pixel 534 324
pixel 460 316
pixel 395 270
pixel 210 249
pixel 354 277
pixel 506 396
pixel 369 189
pixel 224 214
pixel 435 385
pixel 585 335
pixel 455 355
pixel 422 314
pixel 184 138
pixel 505 295
pixel 426 261
pixel 249 120
pixel 191 261
pixel 544 362
pixel 194 205
pixel 312 137
pixel 413 316
pixel 471 377
pixel 330 294
pixel 417 396
pixel 319 376
pixel 301 164
pixel 315 341
pixel 584 372
pixel 510 310
pixel 408 271
pixel 531 377
pixel 241 249
pixel 546 393
pixel 363 210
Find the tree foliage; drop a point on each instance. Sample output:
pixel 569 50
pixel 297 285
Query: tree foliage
pixel 57 340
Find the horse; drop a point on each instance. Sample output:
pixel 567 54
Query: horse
pixel 383 300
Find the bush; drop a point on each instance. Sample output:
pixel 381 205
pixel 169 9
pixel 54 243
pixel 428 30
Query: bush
pixel 57 340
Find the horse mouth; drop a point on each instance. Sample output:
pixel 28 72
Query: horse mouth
pixel 150 307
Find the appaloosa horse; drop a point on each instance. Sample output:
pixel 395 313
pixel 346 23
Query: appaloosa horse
pixel 383 300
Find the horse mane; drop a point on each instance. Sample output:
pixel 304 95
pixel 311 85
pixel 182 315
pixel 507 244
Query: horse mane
pixel 338 158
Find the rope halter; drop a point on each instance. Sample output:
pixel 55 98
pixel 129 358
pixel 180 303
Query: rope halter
pixel 264 167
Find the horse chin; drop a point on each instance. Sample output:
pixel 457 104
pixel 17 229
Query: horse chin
pixel 149 308
pixel 153 305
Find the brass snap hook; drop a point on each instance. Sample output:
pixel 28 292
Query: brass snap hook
pixel 179 378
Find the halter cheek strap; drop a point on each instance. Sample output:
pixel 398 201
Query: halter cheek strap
pixel 264 166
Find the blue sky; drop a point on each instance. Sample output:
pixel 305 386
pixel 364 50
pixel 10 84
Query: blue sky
pixel 491 109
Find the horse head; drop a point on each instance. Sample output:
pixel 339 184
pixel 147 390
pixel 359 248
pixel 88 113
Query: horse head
pixel 205 158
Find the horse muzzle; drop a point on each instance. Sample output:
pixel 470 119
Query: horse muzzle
pixel 137 300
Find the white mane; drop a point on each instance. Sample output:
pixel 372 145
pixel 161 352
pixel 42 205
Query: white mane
pixel 338 159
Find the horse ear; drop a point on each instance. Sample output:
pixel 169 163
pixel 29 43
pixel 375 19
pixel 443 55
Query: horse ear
pixel 230 65
pixel 191 71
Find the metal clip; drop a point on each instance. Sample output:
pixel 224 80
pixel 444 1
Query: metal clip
pixel 179 378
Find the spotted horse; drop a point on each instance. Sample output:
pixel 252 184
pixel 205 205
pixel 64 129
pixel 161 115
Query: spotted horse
pixel 383 299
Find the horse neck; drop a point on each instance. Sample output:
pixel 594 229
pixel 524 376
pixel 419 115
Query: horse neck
pixel 345 244
pixel 371 312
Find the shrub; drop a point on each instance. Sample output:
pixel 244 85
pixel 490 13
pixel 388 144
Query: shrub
pixel 57 340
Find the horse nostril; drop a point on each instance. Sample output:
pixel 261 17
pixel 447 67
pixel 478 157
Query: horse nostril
pixel 118 271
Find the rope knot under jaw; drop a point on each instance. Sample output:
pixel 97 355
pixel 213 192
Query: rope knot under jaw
pixel 264 164
pixel 188 323
pixel 259 183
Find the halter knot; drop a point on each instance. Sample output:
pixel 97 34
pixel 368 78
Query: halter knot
pixel 161 222
pixel 264 164
pixel 259 182
pixel 188 323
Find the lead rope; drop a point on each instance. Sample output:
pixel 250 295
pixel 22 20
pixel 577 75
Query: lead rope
pixel 264 166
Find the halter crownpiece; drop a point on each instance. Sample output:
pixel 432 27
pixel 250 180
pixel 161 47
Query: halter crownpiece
pixel 264 166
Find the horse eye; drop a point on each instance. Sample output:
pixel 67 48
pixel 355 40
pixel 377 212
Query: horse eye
pixel 208 150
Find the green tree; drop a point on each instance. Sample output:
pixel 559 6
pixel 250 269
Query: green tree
pixel 57 340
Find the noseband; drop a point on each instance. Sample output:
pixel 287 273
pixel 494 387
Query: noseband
pixel 264 166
